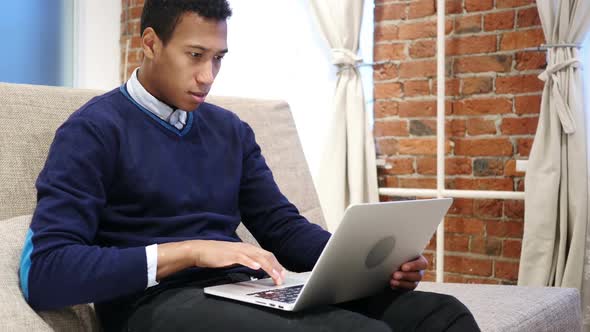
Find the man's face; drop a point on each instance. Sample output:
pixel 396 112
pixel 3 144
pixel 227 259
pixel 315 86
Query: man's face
pixel 184 69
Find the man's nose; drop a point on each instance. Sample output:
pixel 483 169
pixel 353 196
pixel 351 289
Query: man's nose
pixel 205 74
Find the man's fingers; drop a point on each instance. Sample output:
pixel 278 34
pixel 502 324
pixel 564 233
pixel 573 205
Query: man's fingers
pixel 407 276
pixel 248 262
pixel 268 263
pixel 418 264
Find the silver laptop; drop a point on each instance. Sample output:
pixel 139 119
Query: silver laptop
pixel 372 241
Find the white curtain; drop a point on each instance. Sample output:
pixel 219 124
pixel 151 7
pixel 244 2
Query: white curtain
pixel 348 173
pixel 556 183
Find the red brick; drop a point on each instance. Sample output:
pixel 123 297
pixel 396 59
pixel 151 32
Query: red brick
pixel 478 5
pixel 415 30
pixel 431 244
pixel 479 126
pixel 456 128
pixel 422 127
pixel 487 63
pixel 386 71
pixel 511 248
pixel 399 166
pixel 388 90
pixel 453 127
pixel 130 28
pixel 386 146
pixel 391 182
pixel 477 85
pixel 512 3
pixel 504 228
pixel 391 128
pixel 510 169
pixel 519 126
pixel 528 17
pixel 414 69
pixel 485 245
pixel 453 166
pixel 514 209
pixel 515 40
pixel 416 88
pixel 451 87
pixel 456 242
pixel 482 106
pixel 461 206
pixel 419 146
pixel 488 167
pixel 468 24
pixel 519 84
pixel 519 185
pixel 470 45
pixel 429 276
pixel 421 8
pixel 385 109
pixel 453 6
pixel 417 108
pixel 483 147
pixel 503 184
pixel 423 49
pixel 464 226
pixel 390 11
pixel 465 265
pixel 499 21
pixel 454 278
pixel 506 270
pixel 386 32
pixel 531 60
pixel 482 281
pixel 390 52
pixel 135 12
pixel 420 183
pixel 488 208
pixel 524 146
pixel 135 42
pixel 527 104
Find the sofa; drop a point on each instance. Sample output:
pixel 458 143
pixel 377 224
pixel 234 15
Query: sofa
pixel 29 116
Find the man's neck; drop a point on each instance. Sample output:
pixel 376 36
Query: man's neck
pixel 143 76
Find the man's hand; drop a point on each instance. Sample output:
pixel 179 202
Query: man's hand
pixel 409 274
pixel 173 257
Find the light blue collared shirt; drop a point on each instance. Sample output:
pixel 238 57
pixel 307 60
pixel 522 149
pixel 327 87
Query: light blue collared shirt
pixel 176 118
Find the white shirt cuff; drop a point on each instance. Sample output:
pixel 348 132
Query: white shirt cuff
pixel 151 254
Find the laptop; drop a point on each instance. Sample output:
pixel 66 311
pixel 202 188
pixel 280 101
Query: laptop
pixel 371 243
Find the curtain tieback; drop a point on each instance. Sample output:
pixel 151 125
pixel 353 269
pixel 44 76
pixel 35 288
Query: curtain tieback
pixel 345 59
pixel 563 111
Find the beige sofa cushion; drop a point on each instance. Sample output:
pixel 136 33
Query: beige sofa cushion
pixel 15 313
pixel 502 308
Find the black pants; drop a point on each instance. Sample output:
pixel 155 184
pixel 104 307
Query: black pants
pixel 187 308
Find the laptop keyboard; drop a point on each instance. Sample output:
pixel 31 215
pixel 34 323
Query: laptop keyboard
pixel 286 295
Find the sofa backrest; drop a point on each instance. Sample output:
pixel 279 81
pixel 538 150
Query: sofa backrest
pixel 29 116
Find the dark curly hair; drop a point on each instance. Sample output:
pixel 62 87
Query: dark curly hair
pixel 163 15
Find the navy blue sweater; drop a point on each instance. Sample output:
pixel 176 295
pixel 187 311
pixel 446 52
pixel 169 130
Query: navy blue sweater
pixel 117 179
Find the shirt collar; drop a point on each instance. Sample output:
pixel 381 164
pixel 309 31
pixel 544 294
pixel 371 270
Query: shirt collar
pixel 177 118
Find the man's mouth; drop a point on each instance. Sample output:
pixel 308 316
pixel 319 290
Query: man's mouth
pixel 198 97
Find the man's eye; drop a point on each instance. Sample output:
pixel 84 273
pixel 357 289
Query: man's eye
pixel 219 57
pixel 195 55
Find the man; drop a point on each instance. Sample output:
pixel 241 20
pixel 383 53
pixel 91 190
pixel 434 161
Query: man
pixel 144 187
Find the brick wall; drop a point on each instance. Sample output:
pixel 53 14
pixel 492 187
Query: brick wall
pixel 130 17
pixel 493 98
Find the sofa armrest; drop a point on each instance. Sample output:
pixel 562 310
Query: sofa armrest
pixel 15 313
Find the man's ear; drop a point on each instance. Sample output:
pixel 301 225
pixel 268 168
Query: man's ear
pixel 150 43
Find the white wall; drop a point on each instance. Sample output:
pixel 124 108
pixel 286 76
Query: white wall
pixel 276 51
pixel 96 44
